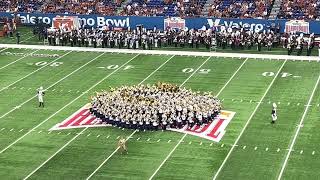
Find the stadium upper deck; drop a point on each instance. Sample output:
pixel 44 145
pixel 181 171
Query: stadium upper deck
pixel 296 9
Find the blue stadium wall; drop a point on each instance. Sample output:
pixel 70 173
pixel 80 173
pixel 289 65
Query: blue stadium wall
pixel 257 25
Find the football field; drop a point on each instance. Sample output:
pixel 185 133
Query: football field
pixel 251 148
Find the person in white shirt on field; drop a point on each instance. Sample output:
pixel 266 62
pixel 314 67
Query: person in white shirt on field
pixel 40 95
pixel 274 113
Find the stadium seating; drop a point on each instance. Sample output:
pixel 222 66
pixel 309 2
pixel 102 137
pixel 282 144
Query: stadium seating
pixel 290 9
pixel 241 8
pixel 299 9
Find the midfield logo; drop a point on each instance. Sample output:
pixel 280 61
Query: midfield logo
pixel 213 131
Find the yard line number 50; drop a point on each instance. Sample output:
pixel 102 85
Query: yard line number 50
pixel 190 70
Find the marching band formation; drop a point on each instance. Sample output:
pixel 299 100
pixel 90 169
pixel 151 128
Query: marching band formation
pixel 153 107
pixel 149 39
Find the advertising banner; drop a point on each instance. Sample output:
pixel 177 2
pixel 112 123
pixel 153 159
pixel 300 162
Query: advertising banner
pixel 256 25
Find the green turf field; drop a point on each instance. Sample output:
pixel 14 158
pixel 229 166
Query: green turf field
pixel 251 148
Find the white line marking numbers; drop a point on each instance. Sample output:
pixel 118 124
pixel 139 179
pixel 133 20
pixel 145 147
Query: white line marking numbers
pixel 201 71
pixel 283 74
pixel 44 63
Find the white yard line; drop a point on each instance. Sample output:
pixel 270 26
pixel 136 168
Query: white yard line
pixel 97 169
pixel 52 115
pixel 298 130
pixel 34 71
pixel 3 49
pixel 161 52
pixel 87 127
pixel 19 59
pixel 248 121
pixel 65 77
pixel 162 163
pixel 135 131
pixel 225 85
pixel 186 134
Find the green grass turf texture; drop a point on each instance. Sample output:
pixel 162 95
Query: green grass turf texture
pixel 194 158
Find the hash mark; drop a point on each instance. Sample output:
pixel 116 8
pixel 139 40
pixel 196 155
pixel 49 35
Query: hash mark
pixel 313 152
pixel 288 103
pixel 301 151
pixel 118 137
pixel 200 143
pixel 40 132
pixel 278 149
pixel 298 104
pixel 98 136
pixel 267 149
pixel 108 136
pixel 69 133
pixel 49 132
pixel 148 139
pixel 255 148
pixel 89 134
pixel 211 144
pixel 169 141
pixel 190 142
pixel 158 140
pixel 21 130
pixel 138 139
pixel 251 101
pixel 59 132
pixel 11 129
pixel 222 145
pixel 244 147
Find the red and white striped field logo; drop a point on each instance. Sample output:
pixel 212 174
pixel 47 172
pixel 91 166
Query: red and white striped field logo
pixel 213 131
pixel 81 118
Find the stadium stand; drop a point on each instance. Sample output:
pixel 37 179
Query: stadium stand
pixel 299 9
pixel 182 8
pixel 240 8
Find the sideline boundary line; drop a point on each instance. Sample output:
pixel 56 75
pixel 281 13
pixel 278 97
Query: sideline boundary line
pixel 298 130
pixel 248 121
pixel 88 127
pixel 19 58
pixel 34 71
pixel 182 138
pixel 181 53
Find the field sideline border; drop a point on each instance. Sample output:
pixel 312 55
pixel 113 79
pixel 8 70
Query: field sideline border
pixel 163 52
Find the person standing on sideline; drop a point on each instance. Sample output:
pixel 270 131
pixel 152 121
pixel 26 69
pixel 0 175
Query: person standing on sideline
pixel 40 95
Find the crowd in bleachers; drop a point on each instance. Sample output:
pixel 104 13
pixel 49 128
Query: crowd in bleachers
pixel 299 9
pixel 150 107
pixel 240 8
pixel 290 9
